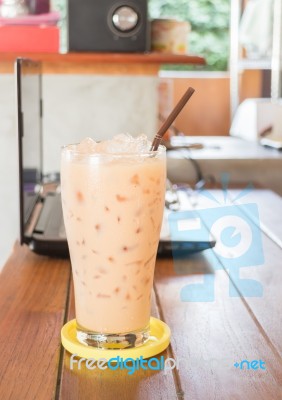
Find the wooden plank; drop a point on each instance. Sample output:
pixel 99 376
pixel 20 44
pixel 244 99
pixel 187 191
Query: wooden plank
pixel 267 271
pixel 265 309
pixel 144 58
pixel 269 274
pixel 209 337
pixel 87 63
pixel 108 384
pixel 270 211
pixel 33 292
pixel 214 335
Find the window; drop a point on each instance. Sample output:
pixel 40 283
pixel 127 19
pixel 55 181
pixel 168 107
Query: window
pixel 209 20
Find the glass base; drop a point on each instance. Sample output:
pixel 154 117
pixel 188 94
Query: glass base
pixel 127 340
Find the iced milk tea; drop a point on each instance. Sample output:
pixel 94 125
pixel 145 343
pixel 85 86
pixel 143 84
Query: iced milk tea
pixel 113 204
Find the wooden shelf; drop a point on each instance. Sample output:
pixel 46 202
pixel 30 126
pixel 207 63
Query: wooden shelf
pixel 146 58
pixel 96 62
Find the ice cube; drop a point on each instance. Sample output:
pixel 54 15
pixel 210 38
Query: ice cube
pixel 125 143
pixel 119 144
pixel 142 144
pixel 87 145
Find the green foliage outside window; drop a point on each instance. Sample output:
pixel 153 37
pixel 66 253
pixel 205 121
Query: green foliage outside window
pixel 209 20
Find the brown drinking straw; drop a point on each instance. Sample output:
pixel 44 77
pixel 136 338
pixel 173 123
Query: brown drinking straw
pixel 170 119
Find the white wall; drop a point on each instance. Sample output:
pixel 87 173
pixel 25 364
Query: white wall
pixel 9 216
pixel 75 106
pixel 96 106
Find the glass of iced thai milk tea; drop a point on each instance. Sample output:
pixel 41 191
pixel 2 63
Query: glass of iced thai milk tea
pixel 113 201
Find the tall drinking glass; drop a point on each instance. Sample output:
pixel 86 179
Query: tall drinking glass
pixel 113 208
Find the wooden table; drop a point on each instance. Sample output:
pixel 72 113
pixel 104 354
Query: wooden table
pixel 207 337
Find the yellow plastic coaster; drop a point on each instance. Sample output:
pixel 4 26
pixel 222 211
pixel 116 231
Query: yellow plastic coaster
pixel 158 342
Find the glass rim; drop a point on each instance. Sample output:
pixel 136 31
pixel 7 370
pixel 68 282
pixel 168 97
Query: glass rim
pixel 69 148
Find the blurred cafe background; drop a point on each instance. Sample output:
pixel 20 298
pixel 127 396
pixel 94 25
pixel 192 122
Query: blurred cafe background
pixel 115 67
